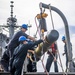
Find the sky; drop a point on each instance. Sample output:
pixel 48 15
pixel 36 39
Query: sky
pixel 26 10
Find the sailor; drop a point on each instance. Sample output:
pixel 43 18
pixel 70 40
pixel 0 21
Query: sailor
pixel 20 53
pixel 52 55
pixel 5 60
pixel 14 43
pixel 65 50
pixel 31 66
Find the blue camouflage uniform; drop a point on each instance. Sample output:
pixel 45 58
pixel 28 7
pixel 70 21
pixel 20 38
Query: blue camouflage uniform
pixel 19 56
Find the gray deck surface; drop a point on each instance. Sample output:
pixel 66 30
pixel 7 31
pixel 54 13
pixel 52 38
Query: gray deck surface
pixel 41 73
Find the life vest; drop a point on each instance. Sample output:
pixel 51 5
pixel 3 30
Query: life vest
pixel 53 48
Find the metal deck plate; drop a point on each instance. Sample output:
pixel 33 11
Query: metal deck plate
pixel 41 73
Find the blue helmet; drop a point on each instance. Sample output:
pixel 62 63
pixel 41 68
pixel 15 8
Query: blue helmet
pixel 22 38
pixel 25 26
pixel 63 38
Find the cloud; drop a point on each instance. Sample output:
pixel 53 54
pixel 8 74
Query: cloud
pixel 71 30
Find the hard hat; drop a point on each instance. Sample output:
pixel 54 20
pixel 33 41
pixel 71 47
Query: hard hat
pixel 22 38
pixel 25 26
pixel 63 38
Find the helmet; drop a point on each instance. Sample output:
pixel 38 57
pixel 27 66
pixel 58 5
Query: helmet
pixel 22 38
pixel 25 26
pixel 63 38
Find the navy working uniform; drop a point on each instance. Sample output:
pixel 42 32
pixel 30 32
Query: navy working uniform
pixel 65 50
pixel 51 57
pixel 5 60
pixel 31 66
pixel 19 56
pixel 14 41
pixel 13 44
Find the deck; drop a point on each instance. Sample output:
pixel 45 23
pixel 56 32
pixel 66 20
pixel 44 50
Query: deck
pixel 41 73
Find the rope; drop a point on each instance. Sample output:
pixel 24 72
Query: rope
pixel 53 28
pixel 44 54
pixel 38 30
pixel 51 16
pixel 47 42
pixel 61 62
pixel 43 65
pixel 42 61
pixel 56 60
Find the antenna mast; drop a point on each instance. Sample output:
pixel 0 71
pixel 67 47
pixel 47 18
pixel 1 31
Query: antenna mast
pixel 11 21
